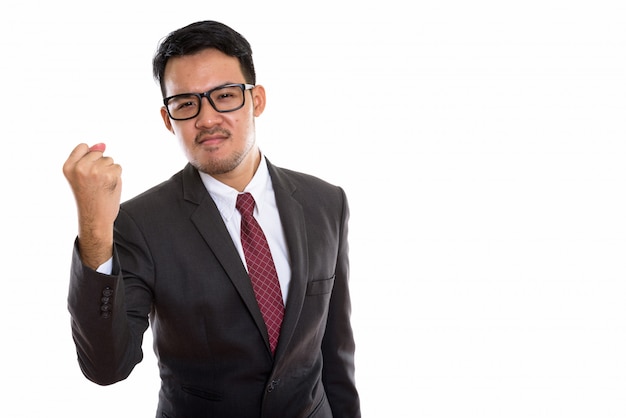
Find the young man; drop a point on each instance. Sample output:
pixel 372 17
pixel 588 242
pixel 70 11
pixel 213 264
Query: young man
pixel 178 256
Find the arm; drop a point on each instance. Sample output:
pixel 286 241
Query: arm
pixel 108 342
pixel 107 347
pixel 338 344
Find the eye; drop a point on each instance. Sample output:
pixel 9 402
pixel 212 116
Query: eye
pixel 185 104
pixel 226 94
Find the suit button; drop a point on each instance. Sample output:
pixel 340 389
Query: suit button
pixel 272 385
pixel 105 308
pixel 105 311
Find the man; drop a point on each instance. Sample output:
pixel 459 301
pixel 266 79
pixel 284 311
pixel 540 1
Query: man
pixel 177 256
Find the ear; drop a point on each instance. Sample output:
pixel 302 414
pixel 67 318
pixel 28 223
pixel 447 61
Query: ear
pixel 258 100
pixel 166 120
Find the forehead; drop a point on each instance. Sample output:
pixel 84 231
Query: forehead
pixel 201 72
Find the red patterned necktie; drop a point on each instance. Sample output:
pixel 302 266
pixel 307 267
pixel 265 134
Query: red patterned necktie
pixel 261 269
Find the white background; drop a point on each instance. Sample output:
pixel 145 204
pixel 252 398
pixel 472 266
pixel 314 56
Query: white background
pixel 481 144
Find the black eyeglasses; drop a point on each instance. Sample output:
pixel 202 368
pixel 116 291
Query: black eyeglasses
pixel 226 98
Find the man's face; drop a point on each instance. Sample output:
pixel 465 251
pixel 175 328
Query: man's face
pixel 215 143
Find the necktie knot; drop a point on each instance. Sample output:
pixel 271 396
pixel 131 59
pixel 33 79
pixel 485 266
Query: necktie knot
pixel 245 204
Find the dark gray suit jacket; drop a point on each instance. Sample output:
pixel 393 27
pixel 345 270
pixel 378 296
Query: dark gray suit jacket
pixel 176 268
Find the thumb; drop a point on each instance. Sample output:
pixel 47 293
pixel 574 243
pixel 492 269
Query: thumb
pixel 98 147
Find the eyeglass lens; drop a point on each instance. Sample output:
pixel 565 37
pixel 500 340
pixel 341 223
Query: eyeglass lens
pixel 223 99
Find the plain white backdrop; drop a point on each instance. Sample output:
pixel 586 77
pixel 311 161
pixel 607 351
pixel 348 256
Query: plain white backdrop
pixel 482 147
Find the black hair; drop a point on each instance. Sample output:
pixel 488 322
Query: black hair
pixel 202 35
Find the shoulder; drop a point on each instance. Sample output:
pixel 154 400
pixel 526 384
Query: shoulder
pixel 306 188
pixel 289 178
pixel 159 210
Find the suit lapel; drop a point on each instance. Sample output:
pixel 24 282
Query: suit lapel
pixel 292 219
pixel 210 225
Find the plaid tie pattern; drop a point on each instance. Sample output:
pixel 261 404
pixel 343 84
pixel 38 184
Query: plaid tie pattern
pixel 261 269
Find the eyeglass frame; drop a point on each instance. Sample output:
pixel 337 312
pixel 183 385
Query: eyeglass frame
pixel 207 94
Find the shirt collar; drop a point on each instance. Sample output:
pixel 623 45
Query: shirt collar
pixel 225 197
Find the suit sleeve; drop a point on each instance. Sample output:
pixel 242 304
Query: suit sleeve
pixel 338 345
pixel 109 315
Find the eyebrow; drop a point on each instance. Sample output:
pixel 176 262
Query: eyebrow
pixel 204 91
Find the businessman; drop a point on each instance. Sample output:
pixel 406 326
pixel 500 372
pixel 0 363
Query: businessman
pixel 240 267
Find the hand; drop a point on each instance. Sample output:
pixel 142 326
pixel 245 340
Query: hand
pixel 96 182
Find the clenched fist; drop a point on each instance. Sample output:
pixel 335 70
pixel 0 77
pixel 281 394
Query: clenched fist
pixel 96 182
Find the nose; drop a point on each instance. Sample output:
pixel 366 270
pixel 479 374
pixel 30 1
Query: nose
pixel 207 117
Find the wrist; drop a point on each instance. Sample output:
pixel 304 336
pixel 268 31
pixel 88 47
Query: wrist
pixel 95 247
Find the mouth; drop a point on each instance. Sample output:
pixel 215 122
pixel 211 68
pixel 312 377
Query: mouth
pixel 212 138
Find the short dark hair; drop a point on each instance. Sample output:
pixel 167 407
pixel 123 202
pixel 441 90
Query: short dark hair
pixel 199 36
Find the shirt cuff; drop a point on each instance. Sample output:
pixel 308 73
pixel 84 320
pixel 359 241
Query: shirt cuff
pixel 106 267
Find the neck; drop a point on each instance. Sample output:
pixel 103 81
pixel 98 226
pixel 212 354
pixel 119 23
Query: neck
pixel 239 178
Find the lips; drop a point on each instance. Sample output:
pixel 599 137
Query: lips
pixel 212 138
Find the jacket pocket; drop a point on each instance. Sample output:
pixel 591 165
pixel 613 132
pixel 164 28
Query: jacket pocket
pixel 322 409
pixel 320 287
pixel 202 393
